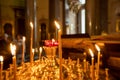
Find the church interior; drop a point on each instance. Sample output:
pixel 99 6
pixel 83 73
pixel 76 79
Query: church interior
pixel 67 31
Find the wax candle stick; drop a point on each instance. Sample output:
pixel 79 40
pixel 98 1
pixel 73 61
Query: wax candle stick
pixel 23 50
pixel 1 67
pixel 98 59
pixel 59 47
pixel 84 64
pixel 13 51
pixel 31 42
pixel 33 52
pixel 92 64
pixel 10 69
pixel 78 61
pixel 106 73
pixel 40 52
pixel 6 75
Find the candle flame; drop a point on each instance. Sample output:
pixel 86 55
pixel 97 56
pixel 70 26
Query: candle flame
pixel 1 58
pixel 53 40
pixel 33 50
pixel 84 53
pixel 12 48
pixel 91 53
pixel 31 24
pixel 40 49
pixel 23 38
pixel 57 24
pixel 90 23
pixel 97 47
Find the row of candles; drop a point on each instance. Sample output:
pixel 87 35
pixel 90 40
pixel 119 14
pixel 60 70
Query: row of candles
pixel 49 44
pixel 92 62
pixel 13 48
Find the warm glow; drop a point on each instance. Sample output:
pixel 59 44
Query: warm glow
pixel 1 58
pixel 40 49
pixel 31 24
pixel 91 53
pixel 33 50
pixel 12 48
pixel 97 47
pixel 90 23
pixel 53 40
pixel 23 38
pixel 57 24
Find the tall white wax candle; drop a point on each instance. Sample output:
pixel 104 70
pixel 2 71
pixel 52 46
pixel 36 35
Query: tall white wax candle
pixel 92 63
pixel 1 67
pixel 23 50
pixel 59 47
pixel 98 59
pixel 40 52
pixel 13 51
pixel 31 42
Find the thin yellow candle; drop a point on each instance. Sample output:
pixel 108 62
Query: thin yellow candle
pixel 59 47
pixel 106 74
pixel 23 50
pixel 1 67
pixel 40 49
pixel 92 60
pixel 98 59
pixel 13 51
pixel 78 61
pixel 84 62
pixel 33 51
pixel 31 42
pixel 6 75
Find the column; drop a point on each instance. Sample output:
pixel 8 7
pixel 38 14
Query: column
pixel 90 16
pixel 31 17
pixel 54 14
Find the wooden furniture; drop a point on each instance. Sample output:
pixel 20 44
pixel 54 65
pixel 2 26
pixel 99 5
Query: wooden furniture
pixel 73 46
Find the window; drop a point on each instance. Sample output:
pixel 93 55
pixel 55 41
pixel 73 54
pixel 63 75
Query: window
pixel 83 21
pixel 75 15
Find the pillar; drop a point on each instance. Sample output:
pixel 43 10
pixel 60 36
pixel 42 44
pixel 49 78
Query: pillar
pixel 55 13
pixel 31 17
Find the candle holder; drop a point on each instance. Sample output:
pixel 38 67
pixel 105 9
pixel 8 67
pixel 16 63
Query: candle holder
pixel 50 51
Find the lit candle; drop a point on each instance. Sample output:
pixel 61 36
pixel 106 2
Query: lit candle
pixel 92 60
pixel 53 40
pixel 59 47
pixel 1 66
pixel 40 49
pixel 98 59
pixel 13 51
pixel 23 50
pixel 31 42
pixel 84 61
